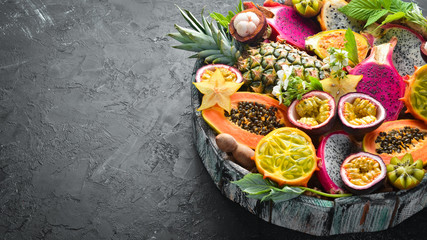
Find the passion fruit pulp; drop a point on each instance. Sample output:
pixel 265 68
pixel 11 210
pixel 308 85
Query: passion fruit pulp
pixel 229 73
pixel 314 113
pixel 363 173
pixel 360 113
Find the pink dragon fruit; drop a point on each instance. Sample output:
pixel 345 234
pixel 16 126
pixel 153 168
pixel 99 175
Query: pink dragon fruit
pixel 332 151
pixel 286 24
pixel 381 79
pixel 407 51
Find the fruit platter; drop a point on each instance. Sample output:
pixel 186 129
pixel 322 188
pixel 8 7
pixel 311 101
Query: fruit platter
pixel 311 114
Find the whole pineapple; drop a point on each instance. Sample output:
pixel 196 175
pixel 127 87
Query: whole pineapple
pixel 259 65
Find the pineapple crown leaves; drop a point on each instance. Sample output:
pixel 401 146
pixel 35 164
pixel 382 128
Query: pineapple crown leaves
pixel 210 42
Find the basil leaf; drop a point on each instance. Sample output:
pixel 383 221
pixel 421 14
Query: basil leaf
pixel 351 46
pixel 253 183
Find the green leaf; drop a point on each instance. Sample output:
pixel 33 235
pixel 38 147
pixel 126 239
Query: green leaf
pixel 253 183
pixel 399 6
pixel 386 4
pixel 376 16
pixel 351 46
pixel 362 9
pixel 392 17
pixel 280 195
pixel 315 83
pixel 239 7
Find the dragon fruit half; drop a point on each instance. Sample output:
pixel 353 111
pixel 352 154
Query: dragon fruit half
pixel 286 24
pixel 381 79
pixel 407 51
pixel 332 151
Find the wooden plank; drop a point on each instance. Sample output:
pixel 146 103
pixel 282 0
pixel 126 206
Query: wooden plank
pixel 305 214
pixel 410 202
pixel 366 213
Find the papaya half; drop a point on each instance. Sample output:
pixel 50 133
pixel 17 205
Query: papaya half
pixel 252 116
pixel 396 138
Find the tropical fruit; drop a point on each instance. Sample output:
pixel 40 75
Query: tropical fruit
pixel 287 24
pixel 321 42
pixel 248 26
pixel 333 149
pixel 286 156
pixel 415 97
pixel 229 73
pixel 396 138
pixel 252 116
pixel 406 54
pixel 330 18
pixel 360 113
pixel 381 80
pixel 314 113
pixel 405 173
pixel 216 91
pixel 307 8
pixel 339 87
pixel 259 65
pixel 363 173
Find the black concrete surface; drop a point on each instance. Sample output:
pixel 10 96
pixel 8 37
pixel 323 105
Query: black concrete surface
pixel 95 129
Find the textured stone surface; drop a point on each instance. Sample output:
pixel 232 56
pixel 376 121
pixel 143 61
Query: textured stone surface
pixel 95 129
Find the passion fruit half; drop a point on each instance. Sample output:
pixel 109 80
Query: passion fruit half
pixel 314 113
pixel 229 73
pixel 360 113
pixel 363 173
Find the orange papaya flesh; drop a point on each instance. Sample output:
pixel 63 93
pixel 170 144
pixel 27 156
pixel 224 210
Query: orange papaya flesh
pixel 391 136
pixel 241 125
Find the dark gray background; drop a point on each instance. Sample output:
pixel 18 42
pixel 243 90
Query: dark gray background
pixel 95 128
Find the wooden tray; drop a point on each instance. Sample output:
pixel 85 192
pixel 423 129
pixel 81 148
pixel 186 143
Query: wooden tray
pixel 366 213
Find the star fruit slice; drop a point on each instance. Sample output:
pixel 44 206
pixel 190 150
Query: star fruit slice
pixel 217 91
pixel 339 87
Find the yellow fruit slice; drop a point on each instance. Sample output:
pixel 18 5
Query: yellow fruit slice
pixel 286 156
pixel 217 91
pixel 339 87
pixel 321 42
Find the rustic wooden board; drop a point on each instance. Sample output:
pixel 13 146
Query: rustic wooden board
pixel 366 213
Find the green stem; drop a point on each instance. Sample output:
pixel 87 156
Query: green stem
pixel 326 194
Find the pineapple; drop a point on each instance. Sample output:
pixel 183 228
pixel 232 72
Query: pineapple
pixel 259 65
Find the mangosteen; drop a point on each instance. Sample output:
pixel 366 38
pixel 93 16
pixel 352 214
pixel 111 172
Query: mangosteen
pixel 363 173
pixel 314 113
pixel 248 26
pixel 360 113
